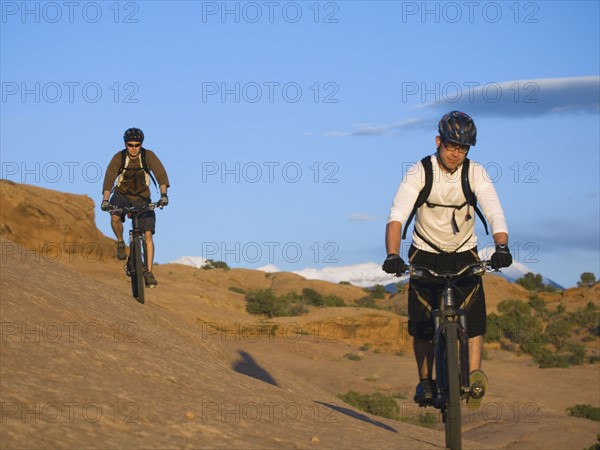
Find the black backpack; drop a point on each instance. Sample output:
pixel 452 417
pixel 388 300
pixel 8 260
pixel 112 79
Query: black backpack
pixel 144 165
pixel 470 197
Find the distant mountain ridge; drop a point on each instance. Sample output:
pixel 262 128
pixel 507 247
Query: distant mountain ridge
pixel 369 274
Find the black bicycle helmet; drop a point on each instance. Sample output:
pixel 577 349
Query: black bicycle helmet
pixel 133 134
pixel 459 128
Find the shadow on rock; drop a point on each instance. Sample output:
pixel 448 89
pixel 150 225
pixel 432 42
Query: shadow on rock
pixel 247 365
pixel 358 416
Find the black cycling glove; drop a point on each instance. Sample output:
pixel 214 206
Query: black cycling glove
pixel 501 257
pixel 164 200
pixel 105 205
pixel 394 264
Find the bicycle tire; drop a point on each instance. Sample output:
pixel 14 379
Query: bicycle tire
pixel 137 279
pixel 453 412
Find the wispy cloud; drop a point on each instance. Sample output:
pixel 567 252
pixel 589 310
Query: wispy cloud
pixel 516 98
pixel 535 97
pixel 362 217
pixel 382 130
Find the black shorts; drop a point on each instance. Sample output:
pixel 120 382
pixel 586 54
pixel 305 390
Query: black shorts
pixel 423 297
pixel 146 219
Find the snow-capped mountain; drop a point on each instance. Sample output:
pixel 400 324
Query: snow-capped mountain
pixel 194 261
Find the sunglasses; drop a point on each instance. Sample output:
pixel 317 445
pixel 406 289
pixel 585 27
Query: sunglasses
pixel 133 145
pixel 451 147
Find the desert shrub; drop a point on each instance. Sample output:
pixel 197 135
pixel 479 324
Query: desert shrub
pixel 365 347
pixel 586 279
pixel 586 411
pixel 376 404
pixel 345 283
pixel 558 331
pixel 353 357
pixel 538 305
pixel 534 282
pixel 576 354
pixel 333 301
pixel 211 264
pixel 515 322
pixel 264 301
pixel 296 309
pixel 312 297
pixel 548 359
pixel 378 291
pixel 367 302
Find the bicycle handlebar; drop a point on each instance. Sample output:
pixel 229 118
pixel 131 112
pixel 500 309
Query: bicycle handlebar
pixel 475 269
pixel 132 209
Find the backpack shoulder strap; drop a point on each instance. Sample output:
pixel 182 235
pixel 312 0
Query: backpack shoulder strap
pixel 424 194
pixel 123 157
pixel 145 166
pixel 469 194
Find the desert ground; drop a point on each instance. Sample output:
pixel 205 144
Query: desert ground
pixel 83 365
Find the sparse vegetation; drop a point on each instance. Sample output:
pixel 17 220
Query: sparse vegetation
pixel 586 279
pixel 367 302
pixel 552 338
pixel 378 291
pixel 345 283
pixel 382 405
pixel 238 290
pixel 375 403
pixel 353 357
pixel 585 411
pixel 365 347
pixel 264 301
pixel 211 264
pixel 535 282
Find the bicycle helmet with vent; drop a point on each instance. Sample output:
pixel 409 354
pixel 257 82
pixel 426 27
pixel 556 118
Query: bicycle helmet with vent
pixel 133 135
pixel 459 128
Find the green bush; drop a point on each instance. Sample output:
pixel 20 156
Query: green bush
pixel 264 301
pixel 333 301
pixel 365 347
pixel 516 322
pixel 558 331
pixel 534 282
pixel 211 264
pixel 378 291
pixel 586 411
pixel 312 297
pixel 587 279
pixel 538 305
pixel 376 404
pixel 367 302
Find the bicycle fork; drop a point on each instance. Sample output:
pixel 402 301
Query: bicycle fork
pixel 441 330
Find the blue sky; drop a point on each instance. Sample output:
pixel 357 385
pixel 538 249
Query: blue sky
pixel 286 126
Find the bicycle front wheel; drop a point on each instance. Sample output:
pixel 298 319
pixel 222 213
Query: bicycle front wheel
pixel 453 413
pixel 137 278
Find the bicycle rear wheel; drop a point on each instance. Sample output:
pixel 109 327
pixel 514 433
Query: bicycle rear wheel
pixel 137 278
pixel 452 413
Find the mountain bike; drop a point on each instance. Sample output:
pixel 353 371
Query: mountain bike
pixel 136 265
pixel 451 347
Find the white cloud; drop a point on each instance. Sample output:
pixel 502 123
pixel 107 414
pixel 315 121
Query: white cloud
pixel 362 217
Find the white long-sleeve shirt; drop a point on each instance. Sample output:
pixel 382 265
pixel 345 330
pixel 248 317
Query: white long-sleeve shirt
pixel 435 224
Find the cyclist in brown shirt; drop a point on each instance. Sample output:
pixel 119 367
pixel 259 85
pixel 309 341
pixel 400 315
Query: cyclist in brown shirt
pixel 132 168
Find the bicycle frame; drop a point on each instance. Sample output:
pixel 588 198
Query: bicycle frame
pixel 451 347
pixel 136 264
